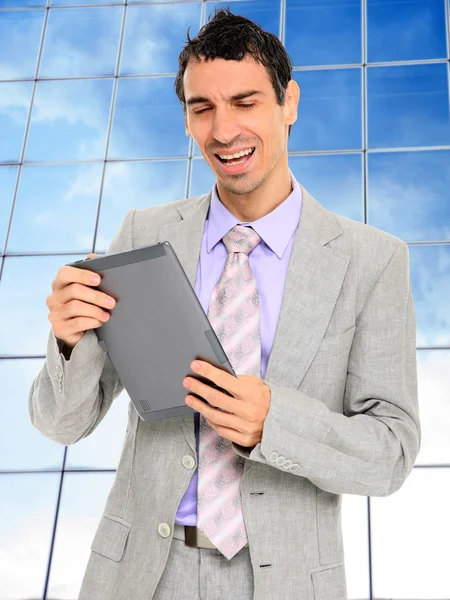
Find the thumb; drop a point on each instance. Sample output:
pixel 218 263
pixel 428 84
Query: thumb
pixel 91 255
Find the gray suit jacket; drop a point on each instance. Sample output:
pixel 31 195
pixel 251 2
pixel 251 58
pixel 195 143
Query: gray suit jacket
pixel 343 417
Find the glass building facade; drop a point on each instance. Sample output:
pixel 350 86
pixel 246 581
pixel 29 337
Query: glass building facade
pixel 90 127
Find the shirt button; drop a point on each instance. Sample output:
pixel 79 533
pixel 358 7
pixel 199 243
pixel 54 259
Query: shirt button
pixel 188 462
pixel 163 530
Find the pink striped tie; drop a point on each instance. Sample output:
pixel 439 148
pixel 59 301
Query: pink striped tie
pixel 234 315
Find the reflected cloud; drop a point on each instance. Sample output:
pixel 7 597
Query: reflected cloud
pixel 14 106
pixel 56 209
pixel 8 176
pixel 149 46
pixel 20 36
pixel 81 42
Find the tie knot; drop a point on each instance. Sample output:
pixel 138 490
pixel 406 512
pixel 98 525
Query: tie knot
pixel 241 239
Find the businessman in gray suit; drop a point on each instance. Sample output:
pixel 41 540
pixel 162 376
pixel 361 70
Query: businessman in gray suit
pixel 325 402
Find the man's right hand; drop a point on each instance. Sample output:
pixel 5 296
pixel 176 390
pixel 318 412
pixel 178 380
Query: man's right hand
pixel 74 306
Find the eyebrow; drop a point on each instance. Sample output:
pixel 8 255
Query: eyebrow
pixel 236 97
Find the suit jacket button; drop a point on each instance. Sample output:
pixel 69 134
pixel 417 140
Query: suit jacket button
pixel 295 467
pixel 163 530
pixel 188 462
pixel 273 457
pixel 287 464
pixel 280 461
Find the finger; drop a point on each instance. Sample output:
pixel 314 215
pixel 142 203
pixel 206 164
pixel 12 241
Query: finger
pixel 218 376
pixel 212 395
pixel 67 275
pixel 78 291
pixel 233 435
pixel 77 308
pixel 215 415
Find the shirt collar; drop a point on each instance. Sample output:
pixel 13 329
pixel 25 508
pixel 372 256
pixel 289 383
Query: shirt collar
pixel 275 229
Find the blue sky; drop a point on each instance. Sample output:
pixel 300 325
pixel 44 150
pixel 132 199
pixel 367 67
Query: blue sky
pixel 80 117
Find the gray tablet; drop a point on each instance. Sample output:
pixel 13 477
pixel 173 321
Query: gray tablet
pixel 157 328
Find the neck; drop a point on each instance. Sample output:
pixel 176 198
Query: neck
pixel 256 204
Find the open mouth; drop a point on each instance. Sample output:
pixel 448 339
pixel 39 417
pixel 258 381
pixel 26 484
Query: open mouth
pixel 237 160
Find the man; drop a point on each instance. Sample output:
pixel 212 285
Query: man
pixel 316 314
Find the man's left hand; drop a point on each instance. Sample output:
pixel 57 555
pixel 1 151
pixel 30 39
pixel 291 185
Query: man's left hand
pixel 247 408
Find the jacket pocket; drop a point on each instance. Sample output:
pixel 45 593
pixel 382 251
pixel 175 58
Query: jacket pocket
pixel 335 344
pixel 329 582
pixel 110 537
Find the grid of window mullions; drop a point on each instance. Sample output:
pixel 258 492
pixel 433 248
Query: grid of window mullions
pixel 364 151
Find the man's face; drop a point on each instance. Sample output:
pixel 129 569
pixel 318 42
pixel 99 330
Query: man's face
pixel 231 107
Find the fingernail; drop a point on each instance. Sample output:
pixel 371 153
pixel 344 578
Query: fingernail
pixel 95 279
pixel 195 366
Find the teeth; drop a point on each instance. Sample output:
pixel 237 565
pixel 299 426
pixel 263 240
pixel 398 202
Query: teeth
pixel 237 155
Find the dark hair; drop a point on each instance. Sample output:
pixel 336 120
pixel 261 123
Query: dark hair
pixel 232 37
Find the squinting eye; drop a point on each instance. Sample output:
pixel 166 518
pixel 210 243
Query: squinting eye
pixel 246 105
pixel 199 112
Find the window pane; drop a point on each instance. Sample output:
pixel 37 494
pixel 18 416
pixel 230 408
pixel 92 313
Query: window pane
pixel 14 106
pixel 324 32
pixel 202 178
pixel 430 275
pixel 84 2
pixel 20 36
pixel 76 35
pixel 329 113
pixel 334 180
pixel 22 3
pixel 409 194
pixel 148 120
pixel 27 512
pixel 22 446
pixel 69 120
pixel 410 533
pixel 102 448
pixel 354 530
pixel 264 12
pixel 83 500
pixel 137 185
pixel 434 384
pixel 154 37
pixel 408 106
pixel 56 209
pixel 8 176
pixel 405 30
pixel 26 283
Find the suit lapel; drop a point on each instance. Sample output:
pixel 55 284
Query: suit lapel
pixel 313 281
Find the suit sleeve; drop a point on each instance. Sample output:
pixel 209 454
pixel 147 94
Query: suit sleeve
pixel 69 398
pixel 370 449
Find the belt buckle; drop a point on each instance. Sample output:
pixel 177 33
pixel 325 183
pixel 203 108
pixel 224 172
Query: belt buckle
pixel 194 538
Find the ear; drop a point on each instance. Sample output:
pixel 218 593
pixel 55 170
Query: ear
pixel 291 101
pixel 186 126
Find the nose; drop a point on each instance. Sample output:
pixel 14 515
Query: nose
pixel 226 126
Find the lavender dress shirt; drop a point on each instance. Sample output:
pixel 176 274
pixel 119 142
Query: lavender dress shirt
pixel 269 262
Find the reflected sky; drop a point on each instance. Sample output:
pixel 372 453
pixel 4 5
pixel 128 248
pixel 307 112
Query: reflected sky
pixel 8 177
pixel 76 35
pixel 23 307
pixel 409 194
pixel 405 30
pixel 202 178
pixel 22 446
pixel 22 3
pixel 264 12
pixel 430 275
pixel 334 180
pixel 148 120
pixel 408 106
pixel 69 120
pixel 137 185
pixel 14 107
pixel 323 32
pixel 151 47
pixel 27 512
pixel 56 209
pixel 83 2
pixel 433 368
pixel 410 532
pixel 329 111
pixel 79 517
pixel 20 36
